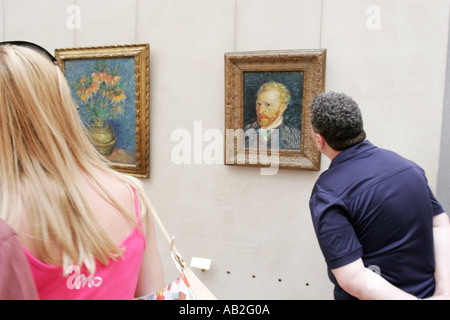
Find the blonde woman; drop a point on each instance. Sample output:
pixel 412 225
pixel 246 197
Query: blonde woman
pixel 86 230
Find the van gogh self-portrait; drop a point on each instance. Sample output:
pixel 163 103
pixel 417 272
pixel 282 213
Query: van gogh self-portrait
pixel 273 101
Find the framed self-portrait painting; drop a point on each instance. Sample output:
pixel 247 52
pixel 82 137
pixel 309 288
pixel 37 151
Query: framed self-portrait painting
pixel 110 86
pixel 267 107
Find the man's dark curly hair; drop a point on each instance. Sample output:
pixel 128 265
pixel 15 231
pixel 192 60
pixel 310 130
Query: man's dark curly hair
pixel 338 119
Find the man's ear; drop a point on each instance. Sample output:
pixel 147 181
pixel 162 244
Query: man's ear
pixel 319 141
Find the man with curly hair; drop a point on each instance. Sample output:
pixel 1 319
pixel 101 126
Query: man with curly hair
pixel 381 230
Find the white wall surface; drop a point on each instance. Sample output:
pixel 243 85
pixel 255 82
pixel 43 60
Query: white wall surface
pixel 443 187
pixel 389 55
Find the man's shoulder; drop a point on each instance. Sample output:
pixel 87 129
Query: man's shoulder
pixel 393 159
pixel 365 170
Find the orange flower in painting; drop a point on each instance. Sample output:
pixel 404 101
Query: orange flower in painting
pixel 85 95
pixel 105 77
pixel 102 93
pixel 115 80
pixel 117 95
pixel 95 77
pixel 93 88
pixel 81 91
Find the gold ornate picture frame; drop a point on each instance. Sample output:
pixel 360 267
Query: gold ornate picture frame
pixel 111 87
pixel 267 107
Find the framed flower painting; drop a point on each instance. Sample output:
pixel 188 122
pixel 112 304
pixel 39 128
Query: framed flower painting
pixel 110 86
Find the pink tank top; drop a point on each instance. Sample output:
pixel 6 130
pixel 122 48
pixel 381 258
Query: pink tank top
pixel 117 280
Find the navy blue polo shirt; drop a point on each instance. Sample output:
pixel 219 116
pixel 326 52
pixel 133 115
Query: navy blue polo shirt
pixel 376 205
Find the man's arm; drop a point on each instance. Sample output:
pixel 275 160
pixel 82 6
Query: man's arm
pixel 365 284
pixel 441 234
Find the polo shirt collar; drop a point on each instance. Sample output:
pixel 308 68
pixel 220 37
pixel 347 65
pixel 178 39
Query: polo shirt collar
pixel 351 152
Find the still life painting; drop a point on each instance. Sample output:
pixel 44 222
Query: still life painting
pixel 102 97
pixel 110 87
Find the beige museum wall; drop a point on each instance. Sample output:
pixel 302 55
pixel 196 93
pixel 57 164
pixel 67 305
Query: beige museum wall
pixel 390 55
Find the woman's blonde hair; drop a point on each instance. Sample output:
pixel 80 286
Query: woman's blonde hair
pixel 44 150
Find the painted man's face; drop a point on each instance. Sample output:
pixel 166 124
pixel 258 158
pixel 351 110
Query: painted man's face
pixel 269 108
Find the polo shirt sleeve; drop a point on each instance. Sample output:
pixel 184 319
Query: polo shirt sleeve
pixel 335 233
pixel 437 208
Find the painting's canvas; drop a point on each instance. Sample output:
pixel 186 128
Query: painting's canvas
pixel 104 90
pixel 260 109
pixel 110 85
